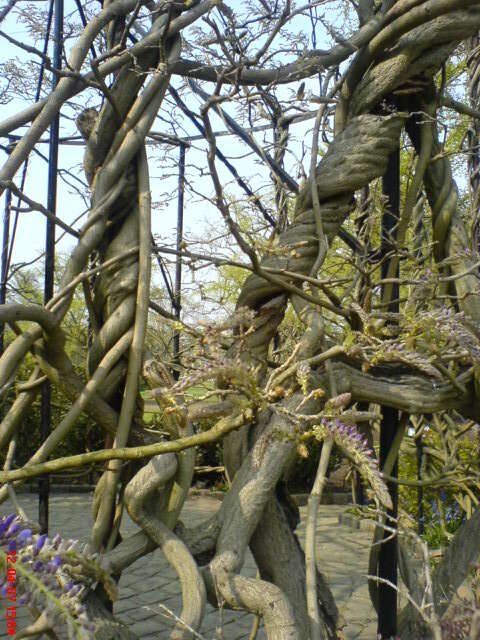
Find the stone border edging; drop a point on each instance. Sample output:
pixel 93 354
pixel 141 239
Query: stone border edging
pixel 58 488
pixel 354 522
pixel 301 499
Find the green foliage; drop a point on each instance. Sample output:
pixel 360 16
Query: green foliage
pixel 227 286
pixel 444 507
pixel 85 435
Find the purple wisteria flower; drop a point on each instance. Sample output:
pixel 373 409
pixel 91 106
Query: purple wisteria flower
pixel 54 564
pixel 13 529
pixel 355 446
pixel 39 543
pixel 41 577
pixel 24 537
pixel 5 523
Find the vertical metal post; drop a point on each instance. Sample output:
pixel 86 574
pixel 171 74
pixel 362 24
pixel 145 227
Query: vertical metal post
pixel 5 251
pixel 387 561
pixel 420 512
pixel 44 485
pixel 473 135
pixel 178 262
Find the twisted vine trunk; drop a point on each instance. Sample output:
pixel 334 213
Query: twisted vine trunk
pixel 357 155
pixel 116 155
pixel 370 118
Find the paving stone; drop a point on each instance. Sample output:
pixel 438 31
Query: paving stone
pixel 342 557
pixel 127 592
pixel 147 584
pixel 138 615
pixel 153 597
pixel 360 631
pixel 145 627
pixel 123 606
pixel 128 580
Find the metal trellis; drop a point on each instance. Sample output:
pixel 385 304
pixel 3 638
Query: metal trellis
pixel 5 245
pixel 387 561
pixel 178 262
pixel 45 428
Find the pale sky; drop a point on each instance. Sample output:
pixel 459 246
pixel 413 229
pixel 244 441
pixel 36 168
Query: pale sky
pixel 30 236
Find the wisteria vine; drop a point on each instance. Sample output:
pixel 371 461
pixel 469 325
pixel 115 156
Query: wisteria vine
pixel 355 446
pixel 48 575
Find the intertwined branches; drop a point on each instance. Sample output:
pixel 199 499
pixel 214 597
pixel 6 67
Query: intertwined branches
pixel 268 381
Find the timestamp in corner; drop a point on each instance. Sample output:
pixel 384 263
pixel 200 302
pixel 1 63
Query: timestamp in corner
pixel 11 593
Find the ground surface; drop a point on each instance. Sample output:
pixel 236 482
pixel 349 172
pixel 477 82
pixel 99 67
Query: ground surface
pixel 342 556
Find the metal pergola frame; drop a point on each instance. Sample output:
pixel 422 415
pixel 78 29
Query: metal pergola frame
pixel 387 563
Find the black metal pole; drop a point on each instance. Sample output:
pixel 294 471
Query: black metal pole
pixel 387 561
pixel 37 97
pixel 420 512
pixel 178 262
pixel 5 251
pixel 44 485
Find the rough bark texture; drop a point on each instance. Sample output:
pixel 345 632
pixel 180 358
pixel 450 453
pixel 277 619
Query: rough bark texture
pixel 281 560
pixel 106 626
pixel 397 55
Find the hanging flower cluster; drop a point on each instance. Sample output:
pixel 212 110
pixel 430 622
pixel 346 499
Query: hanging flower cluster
pixel 44 574
pixel 355 447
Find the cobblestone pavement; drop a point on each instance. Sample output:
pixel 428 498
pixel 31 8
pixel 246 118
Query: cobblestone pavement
pixel 342 556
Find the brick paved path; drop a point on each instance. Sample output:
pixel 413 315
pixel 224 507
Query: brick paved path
pixel 342 556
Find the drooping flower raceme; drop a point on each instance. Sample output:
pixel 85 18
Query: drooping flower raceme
pixel 355 447
pixel 43 574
